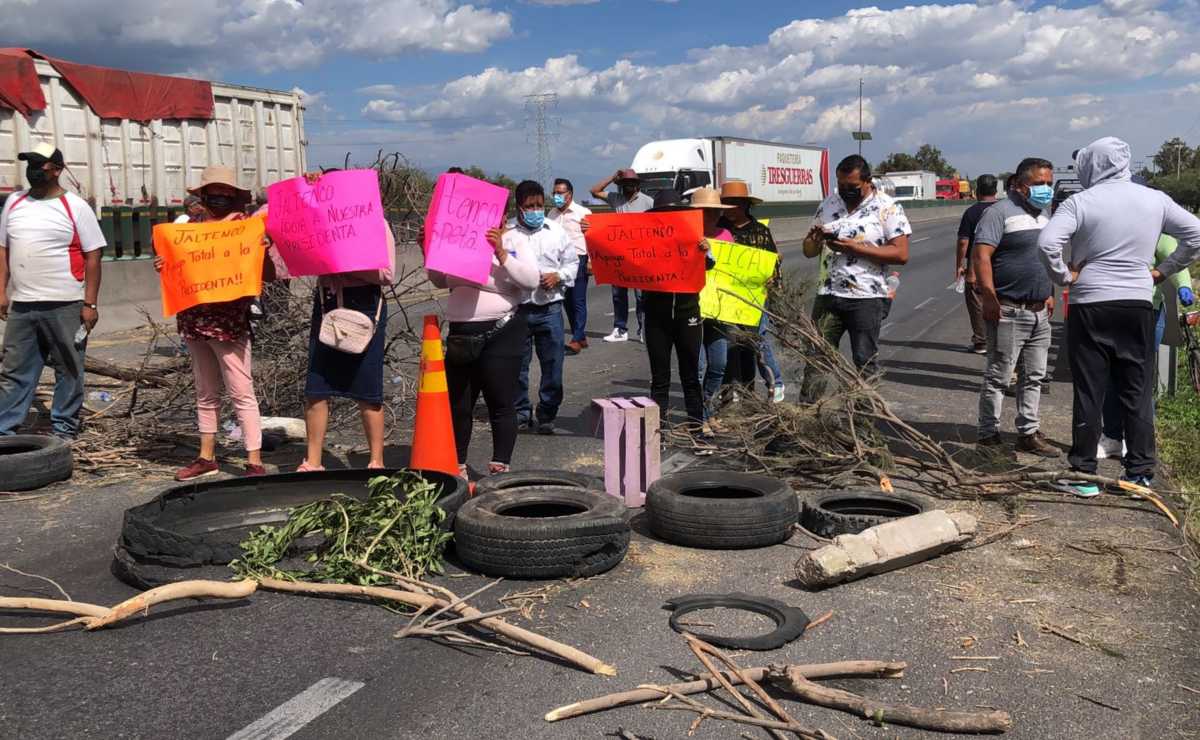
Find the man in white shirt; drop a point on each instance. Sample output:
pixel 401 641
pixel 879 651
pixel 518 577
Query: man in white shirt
pixel 569 214
pixel 628 198
pixel 558 264
pixel 50 245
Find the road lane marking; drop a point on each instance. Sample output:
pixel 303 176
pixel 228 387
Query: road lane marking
pixel 923 304
pixel 922 239
pixel 292 715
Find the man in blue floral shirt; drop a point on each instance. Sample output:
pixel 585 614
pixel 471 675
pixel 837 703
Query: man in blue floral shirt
pixel 858 231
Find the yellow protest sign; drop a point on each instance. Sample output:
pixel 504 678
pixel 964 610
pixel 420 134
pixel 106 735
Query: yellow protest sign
pixel 765 221
pixel 743 271
pixel 209 262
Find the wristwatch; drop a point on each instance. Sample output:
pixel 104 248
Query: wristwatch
pixel 92 306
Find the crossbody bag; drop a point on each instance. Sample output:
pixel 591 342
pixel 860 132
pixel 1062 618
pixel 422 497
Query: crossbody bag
pixel 347 330
pixel 463 349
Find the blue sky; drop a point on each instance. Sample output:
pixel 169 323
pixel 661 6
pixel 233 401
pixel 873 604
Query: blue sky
pixel 443 81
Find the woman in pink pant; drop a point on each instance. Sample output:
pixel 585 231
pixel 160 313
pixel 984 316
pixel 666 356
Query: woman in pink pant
pixel 218 340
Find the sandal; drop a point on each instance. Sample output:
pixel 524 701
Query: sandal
pixel 306 468
pixel 495 468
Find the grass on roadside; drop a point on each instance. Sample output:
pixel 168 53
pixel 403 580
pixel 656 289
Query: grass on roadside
pixel 1178 427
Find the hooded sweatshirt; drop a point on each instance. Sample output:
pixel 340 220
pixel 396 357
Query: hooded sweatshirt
pixel 1113 227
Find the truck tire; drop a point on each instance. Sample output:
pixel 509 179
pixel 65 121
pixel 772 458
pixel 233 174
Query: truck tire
pixel 851 511
pixel 189 528
pixel 527 478
pixel 541 532
pixel 29 461
pixel 720 509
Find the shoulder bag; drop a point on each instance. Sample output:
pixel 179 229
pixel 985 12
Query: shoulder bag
pixel 347 330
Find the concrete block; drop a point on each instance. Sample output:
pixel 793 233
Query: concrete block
pixel 895 544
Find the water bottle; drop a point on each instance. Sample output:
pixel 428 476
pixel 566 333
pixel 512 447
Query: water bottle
pixel 81 336
pixel 101 396
pixel 893 283
pixel 960 285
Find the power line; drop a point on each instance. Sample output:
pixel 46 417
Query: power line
pixel 540 129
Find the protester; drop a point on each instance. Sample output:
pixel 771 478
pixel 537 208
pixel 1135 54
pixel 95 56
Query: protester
pixel 486 340
pixel 858 231
pixel 50 246
pixel 1113 226
pixel 751 232
pixel 333 373
pixel 218 339
pixel 193 208
pixel 1017 303
pixel 628 198
pixel 1112 440
pixel 673 319
pixel 964 269
pixel 558 264
pixel 569 214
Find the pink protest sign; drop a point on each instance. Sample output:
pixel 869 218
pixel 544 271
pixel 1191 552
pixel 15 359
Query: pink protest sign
pixel 333 225
pixel 460 213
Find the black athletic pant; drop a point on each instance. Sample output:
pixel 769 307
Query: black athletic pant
pixel 673 323
pixel 494 374
pixel 1113 338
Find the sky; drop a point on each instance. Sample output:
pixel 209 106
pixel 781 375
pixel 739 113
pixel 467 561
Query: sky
pixel 444 82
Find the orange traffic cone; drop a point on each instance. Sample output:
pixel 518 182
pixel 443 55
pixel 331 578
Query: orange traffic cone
pixel 433 436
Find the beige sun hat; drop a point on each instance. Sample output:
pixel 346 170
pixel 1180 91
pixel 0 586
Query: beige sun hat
pixel 707 198
pixel 219 175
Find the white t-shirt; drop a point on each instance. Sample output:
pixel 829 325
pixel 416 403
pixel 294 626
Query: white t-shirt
pixel 569 219
pixel 38 234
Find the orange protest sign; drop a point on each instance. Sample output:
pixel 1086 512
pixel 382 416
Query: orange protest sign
pixel 209 262
pixel 654 251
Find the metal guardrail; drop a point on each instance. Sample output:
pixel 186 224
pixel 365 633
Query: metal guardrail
pixel 128 229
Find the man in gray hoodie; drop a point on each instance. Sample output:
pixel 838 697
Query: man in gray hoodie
pixel 1113 226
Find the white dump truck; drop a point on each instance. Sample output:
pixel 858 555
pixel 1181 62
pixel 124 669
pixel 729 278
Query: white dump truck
pixel 776 172
pixel 133 139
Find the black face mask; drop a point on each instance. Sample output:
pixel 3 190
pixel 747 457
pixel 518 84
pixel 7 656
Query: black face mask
pixel 851 194
pixel 37 176
pixel 219 205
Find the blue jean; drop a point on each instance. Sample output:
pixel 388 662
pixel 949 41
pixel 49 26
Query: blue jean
pixel 36 334
pixel 768 366
pixel 1113 427
pixel 621 308
pixel 546 336
pixel 576 303
pixel 713 361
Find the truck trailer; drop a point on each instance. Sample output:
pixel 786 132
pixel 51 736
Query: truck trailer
pixel 136 139
pixel 776 172
pixel 910 185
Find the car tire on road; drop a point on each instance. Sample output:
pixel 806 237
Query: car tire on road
pixel 29 461
pixel 541 532
pixel 527 478
pixel 851 511
pixel 719 509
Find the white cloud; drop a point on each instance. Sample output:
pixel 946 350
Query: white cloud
pixel 265 34
pixel 1082 123
pixel 985 80
pixel 1188 65
pixel 840 119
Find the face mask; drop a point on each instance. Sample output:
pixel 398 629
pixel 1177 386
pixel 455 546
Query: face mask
pixel 851 194
pixel 534 219
pixel 219 205
pixel 559 200
pixel 1040 196
pixel 36 176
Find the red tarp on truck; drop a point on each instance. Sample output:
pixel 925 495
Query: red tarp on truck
pixel 111 93
pixel 19 88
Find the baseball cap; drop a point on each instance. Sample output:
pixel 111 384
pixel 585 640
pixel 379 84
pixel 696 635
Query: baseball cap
pixel 41 154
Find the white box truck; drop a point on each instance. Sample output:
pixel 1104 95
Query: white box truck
pixel 775 172
pixel 124 162
pixel 912 185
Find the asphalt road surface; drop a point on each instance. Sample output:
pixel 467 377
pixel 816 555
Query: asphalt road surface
pixel 273 665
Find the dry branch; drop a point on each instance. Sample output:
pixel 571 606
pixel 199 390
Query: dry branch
pixel 424 600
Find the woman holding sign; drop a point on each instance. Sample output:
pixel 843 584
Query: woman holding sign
pixel 486 341
pixel 218 339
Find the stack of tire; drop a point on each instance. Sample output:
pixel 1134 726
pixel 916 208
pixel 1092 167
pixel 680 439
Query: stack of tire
pixel 721 509
pixel 541 525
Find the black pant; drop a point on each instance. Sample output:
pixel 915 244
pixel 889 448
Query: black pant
pixel 1112 339
pixel 673 322
pixel 835 316
pixel 494 374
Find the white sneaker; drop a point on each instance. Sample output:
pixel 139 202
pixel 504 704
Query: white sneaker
pixel 618 335
pixel 1110 448
pixel 779 395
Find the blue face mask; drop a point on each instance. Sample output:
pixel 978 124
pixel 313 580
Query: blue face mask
pixel 559 200
pixel 1040 196
pixel 534 219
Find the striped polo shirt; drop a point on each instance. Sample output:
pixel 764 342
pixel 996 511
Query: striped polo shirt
pixel 1012 226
